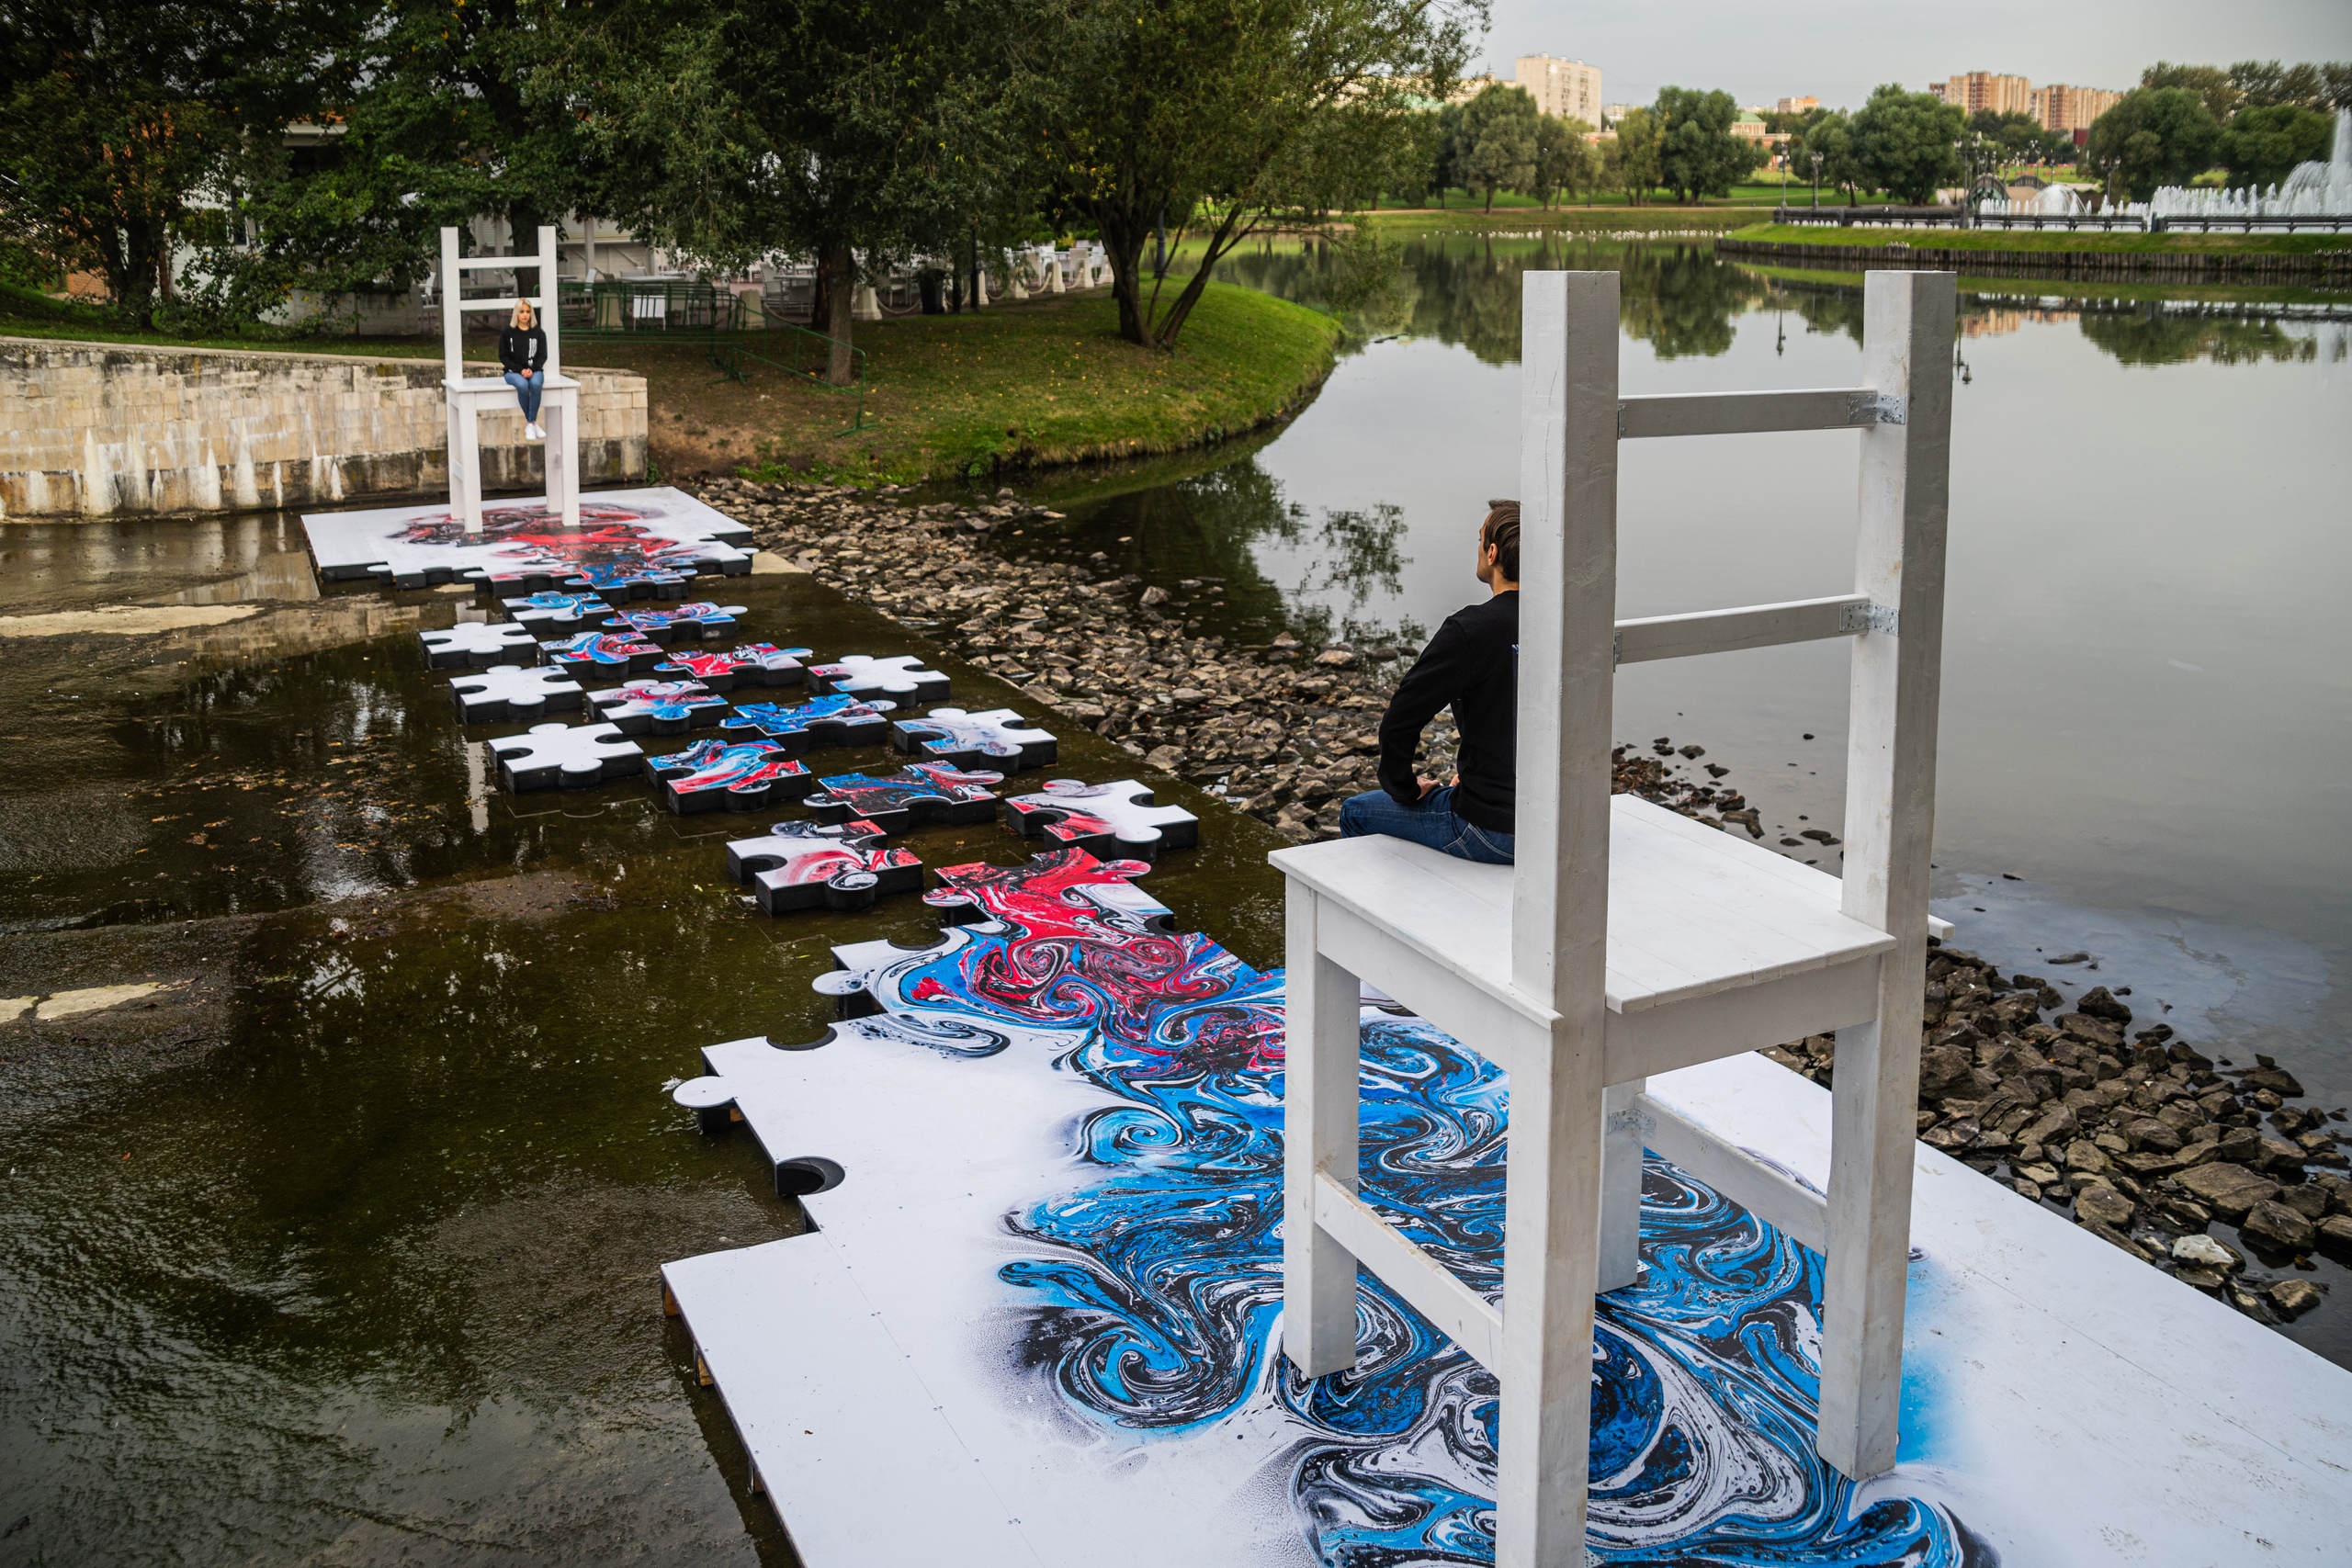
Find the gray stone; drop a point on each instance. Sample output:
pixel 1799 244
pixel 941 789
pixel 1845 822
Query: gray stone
pixel 2087 1157
pixel 2230 1189
pixel 2206 1253
pixel 2334 1237
pixel 2309 1202
pixel 2104 1205
pixel 2277 1225
pixel 2293 1298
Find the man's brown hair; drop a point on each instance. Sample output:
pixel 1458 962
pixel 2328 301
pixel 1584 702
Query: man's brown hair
pixel 1501 530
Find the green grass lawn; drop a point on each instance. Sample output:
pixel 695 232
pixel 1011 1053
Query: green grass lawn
pixel 1022 384
pixel 2049 239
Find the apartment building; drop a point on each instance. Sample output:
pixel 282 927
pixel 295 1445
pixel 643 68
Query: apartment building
pixel 2070 109
pixel 1565 89
pixel 1981 90
pixel 1796 106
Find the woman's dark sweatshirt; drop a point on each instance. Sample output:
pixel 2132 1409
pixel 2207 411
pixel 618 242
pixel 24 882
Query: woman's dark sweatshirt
pixel 522 350
pixel 1472 664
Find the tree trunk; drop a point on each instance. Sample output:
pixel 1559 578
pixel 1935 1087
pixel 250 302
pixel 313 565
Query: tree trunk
pixel 1125 228
pixel 1166 328
pixel 1490 202
pixel 837 272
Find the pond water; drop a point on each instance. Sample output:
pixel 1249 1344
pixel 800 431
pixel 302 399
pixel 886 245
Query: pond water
pixel 2147 697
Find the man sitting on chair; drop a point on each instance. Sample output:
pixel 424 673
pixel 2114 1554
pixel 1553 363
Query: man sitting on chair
pixel 1472 664
pixel 522 350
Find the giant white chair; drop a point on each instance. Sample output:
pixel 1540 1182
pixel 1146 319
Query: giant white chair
pixel 469 399
pixel 1628 941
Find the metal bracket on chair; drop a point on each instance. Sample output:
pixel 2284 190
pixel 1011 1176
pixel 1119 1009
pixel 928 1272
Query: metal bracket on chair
pixel 1874 407
pixel 1854 619
pixel 1616 649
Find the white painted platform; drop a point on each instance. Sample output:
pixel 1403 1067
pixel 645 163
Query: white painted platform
pixel 622 536
pixel 2067 1405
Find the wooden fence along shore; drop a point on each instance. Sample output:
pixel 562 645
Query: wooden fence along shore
pixel 2132 267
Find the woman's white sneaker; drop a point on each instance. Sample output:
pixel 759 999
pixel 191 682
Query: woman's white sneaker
pixel 534 433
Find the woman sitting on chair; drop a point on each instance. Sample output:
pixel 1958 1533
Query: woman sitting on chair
pixel 522 350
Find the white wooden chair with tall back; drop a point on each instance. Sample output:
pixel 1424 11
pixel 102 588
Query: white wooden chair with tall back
pixel 470 400
pixel 1628 941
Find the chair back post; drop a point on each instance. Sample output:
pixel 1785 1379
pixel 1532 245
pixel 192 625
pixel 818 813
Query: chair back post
pixel 548 314
pixel 453 317
pixel 1559 911
pixel 1895 687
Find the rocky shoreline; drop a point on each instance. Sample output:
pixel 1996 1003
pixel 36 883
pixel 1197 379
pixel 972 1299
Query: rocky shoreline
pixel 2147 1144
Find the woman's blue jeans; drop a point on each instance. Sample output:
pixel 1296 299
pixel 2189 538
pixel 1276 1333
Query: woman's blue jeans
pixel 1428 820
pixel 528 390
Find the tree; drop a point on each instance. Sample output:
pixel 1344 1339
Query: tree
pixel 2209 82
pixel 1698 155
pixel 1630 160
pixel 1219 115
pixel 2261 146
pixel 1904 144
pixel 1564 159
pixel 2019 138
pixel 436 123
pixel 1825 155
pixel 1498 136
pixel 2154 136
pixel 1418 168
pixel 849 129
pixel 116 119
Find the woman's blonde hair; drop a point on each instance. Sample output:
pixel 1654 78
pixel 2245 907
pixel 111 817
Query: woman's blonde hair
pixel 522 308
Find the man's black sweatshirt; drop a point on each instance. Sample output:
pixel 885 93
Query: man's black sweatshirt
pixel 1472 664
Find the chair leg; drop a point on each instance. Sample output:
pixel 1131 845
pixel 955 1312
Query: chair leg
pixel 562 462
pixel 1551 1256
pixel 1867 1268
pixel 1320 1109
pixel 465 463
pixel 1621 1187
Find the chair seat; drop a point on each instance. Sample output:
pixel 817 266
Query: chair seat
pixel 478 387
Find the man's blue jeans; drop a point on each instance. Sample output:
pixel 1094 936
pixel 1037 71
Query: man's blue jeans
pixel 529 390
pixel 1429 820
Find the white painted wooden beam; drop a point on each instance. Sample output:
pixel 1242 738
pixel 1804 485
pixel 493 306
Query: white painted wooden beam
pixel 1763 1190
pixel 1746 413
pixel 1895 685
pixel 1461 1313
pixel 1750 626
pixel 1321 1107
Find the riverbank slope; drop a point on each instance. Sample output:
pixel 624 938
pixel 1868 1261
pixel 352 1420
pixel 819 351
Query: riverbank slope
pixel 2172 258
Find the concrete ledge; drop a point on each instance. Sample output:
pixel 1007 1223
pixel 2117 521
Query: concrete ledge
pixel 99 430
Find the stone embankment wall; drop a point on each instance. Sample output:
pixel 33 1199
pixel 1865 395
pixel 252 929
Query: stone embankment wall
pixel 99 430
pixel 2113 266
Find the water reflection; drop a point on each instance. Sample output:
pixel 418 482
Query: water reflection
pixel 1681 301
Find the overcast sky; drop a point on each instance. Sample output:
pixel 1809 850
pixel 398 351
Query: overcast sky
pixel 1762 49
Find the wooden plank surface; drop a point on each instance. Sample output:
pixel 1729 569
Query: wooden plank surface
pixel 1738 413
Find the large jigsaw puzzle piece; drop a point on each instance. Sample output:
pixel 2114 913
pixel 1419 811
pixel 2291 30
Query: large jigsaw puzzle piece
pixel 840 865
pixel 1105 819
pixel 733 775
pixel 658 708
pixel 547 612
pixel 547 756
pixel 921 792
pixel 835 720
pixel 477 645
pixel 513 691
pixel 753 664
pixel 900 677
pixel 589 655
pixel 636 543
pixel 691 622
pixel 997 739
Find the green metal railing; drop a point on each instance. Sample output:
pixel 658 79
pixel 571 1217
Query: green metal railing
pixel 722 323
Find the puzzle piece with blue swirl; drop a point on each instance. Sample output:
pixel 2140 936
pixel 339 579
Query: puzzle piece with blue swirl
pixel 1106 819
pixel 752 664
pixel 920 792
pixel 834 720
pixel 547 756
pixel 838 865
pixel 553 612
pixel 630 576
pixel 647 706
pixel 900 677
pixel 588 655
pixel 513 692
pixel 477 645
pixel 733 775
pixel 996 738
pixel 695 621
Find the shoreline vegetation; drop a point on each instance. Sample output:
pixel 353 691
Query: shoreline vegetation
pixel 2276 260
